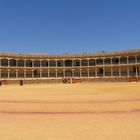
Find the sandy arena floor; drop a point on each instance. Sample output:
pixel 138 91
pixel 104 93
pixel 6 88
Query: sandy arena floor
pixel 100 111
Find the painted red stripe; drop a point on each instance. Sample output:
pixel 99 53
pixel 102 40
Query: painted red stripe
pixel 85 102
pixel 70 113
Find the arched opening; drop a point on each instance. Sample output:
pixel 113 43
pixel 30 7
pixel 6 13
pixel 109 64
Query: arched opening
pixel 36 63
pixel 115 61
pixel 12 63
pixel 91 62
pixel 131 59
pixel 4 62
pixel 107 61
pixel 44 63
pixel 36 73
pixel 20 63
pixel 99 61
pixel 84 73
pixel 44 73
pixel 29 63
pixel 21 73
pixel 100 72
pixel 123 60
pixel 68 73
pixel 84 62
pixel 60 63
pixel 76 63
pixel 4 73
pixel 52 63
pixel 12 74
pixel 68 63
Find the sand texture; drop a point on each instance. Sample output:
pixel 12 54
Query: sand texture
pixel 98 111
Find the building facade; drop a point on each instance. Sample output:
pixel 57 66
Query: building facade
pixel 90 66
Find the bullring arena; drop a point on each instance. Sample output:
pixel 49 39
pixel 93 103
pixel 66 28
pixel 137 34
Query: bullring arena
pixel 101 103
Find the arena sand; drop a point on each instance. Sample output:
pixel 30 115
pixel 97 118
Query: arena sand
pixel 98 111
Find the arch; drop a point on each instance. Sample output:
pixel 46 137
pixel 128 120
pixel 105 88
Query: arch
pixel 36 73
pixel 60 63
pixel 29 63
pixel 44 63
pixel 84 73
pixel 100 72
pixel 28 73
pixel 20 63
pixel 123 60
pixel 12 63
pixel 59 73
pixel 77 63
pixel 138 58
pixel 4 62
pixel 44 73
pixel 107 61
pixel 84 62
pixel 91 62
pixel 52 63
pixel 99 61
pixel 12 73
pixel 68 73
pixel 4 73
pixel 52 73
pixel 131 59
pixel 36 63
pixel 115 61
pixel 68 63
pixel 20 73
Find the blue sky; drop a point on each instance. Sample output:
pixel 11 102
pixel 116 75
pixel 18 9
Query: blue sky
pixel 69 26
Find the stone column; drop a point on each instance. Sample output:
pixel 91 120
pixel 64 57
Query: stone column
pixel 80 62
pixel 63 63
pixel 103 61
pixel 64 73
pixel 40 73
pixel 72 72
pixel 111 72
pixel 32 73
pixel 136 71
pixel 80 73
pixel 24 63
pixel 111 61
pixel 88 73
pixel 0 62
pixel 16 73
pixel 0 73
pixel 127 60
pixel 32 63
pixel 56 73
pixel 96 72
pixel 136 59
pixel 40 63
pixel 119 72
pixel 48 73
pixel 55 63
pixel 103 72
pixel 8 73
pixel 16 62
pixel 119 61
pixel 25 73
pixel 72 63
pixel 127 71
pixel 8 63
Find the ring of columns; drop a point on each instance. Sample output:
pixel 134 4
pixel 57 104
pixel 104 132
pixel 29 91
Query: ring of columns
pixel 56 67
